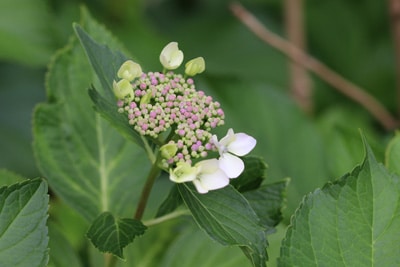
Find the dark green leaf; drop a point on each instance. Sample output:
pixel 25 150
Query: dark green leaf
pixel 227 217
pixel 106 64
pixel 252 176
pixel 120 121
pixel 103 60
pixel 354 221
pixel 23 230
pixel 109 234
pixel 172 201
pixel 268 202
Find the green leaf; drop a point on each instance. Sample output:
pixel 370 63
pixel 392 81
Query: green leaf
pixel 252 176
pixel 193 248
pixel 227 217
pixel 393 155
pixel 23 230
pixel 354 221
pixel 87 162
pixel 62 253
pixel 109 234
pixel 268 202
pixel 173 201
pixel 103 60
pixel 119 120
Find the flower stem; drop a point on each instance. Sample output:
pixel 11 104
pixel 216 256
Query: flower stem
pixel 153 174
pixel 166 217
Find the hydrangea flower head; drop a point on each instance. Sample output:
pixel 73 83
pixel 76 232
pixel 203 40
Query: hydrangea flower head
pixel 167 110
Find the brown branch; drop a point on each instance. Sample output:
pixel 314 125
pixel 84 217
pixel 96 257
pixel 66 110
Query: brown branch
pixel 344 86
pixel 394 9
pixel 300 86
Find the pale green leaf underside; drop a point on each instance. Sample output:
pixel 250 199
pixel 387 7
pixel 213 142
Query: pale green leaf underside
pixel 353 222
pixel 110 234
pixel 86 161
pixel 228 218
pixel 23 230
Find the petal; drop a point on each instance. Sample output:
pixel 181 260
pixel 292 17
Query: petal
pixel 199 187
pixel 231 165
pixel 242 144
pixel 207 166
pixel 214 180
pixel 228 138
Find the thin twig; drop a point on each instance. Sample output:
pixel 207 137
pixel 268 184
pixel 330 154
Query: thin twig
pixel 300 86
pixel 341 84
pixel 394 9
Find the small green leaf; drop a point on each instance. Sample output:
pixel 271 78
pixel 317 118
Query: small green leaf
pixel 172 201
pixel 354 221
pixel 226 216
pixel 109 234
pixel 253 175
pixel 268 202
pixel 23 230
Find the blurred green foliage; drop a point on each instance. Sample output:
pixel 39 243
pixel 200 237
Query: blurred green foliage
pixel 247 76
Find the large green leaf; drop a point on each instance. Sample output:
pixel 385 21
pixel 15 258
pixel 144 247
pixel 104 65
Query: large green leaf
pixel 193 248
pixel 86 161
pixel 23 230
pixel 227 217
pixel 110 234
pixel 352 222
pixel 268 202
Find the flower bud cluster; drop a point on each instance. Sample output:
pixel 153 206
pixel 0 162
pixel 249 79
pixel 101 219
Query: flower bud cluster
pixel 156 103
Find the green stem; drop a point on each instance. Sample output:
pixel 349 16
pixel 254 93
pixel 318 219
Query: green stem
pixel 166 217
pixel 153 174
pixel 149 151
pixel 110 260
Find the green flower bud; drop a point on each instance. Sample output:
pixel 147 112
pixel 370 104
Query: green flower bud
pixel 129 70
pixel 123 89
pixel 146 98
pixel 171 57
pixel 168 150
pixel 183 172
pixel 195 66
